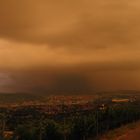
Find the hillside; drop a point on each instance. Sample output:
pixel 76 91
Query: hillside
pixel 128 132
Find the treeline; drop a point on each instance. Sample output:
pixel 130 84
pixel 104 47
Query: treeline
pixel 80 126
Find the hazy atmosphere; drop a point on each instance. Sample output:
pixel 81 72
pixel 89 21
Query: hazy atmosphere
pixel 74 44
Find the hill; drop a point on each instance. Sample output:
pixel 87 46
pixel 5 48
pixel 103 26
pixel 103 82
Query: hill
pixel 128 132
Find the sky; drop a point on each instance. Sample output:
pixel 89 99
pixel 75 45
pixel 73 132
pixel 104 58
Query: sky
pixel 69 45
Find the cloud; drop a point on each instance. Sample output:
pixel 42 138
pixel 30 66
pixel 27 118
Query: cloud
pixel 46 41
pixel 71 24
pixel 66 80
pixel 14 55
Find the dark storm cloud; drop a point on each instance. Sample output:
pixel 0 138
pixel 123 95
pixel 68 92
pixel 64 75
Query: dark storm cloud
pixel 79 78
pixel 80 23
pixel 63 44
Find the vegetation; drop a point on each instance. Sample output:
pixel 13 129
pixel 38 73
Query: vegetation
pixel 31 124
pixel 29 117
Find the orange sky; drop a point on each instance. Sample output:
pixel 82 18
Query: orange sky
pixel 96 39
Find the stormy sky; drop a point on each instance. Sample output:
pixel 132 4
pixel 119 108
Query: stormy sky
pixel 69 45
